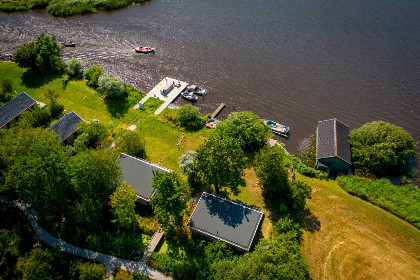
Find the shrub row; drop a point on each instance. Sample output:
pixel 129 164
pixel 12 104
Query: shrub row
pixel 402 201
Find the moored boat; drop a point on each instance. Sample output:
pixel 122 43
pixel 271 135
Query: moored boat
pixel 197 90
pixel 142 49
pixel 189 96
pixel 280 129
pixel 68 43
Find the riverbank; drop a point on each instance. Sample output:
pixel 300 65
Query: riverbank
pixel 66 7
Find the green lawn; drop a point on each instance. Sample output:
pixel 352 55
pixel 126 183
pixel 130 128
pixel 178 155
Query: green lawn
pixel 161 138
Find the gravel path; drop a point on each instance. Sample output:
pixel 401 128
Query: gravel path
pixel 109 261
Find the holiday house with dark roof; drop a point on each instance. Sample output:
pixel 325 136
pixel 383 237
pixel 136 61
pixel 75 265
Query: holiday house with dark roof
pixel 218 218
pixel 12 109
pixel 66 128
pixel 139 174
pixel 332 146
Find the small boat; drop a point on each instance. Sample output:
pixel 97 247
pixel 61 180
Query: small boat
pixel 145 50
pixel 189 96
pixel 280 129
pixel 68 43
pixel 197 90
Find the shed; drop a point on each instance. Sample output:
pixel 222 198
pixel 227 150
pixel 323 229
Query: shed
pixel 66 128
pixel 12 109
pixel 219 218
pixel 332 146
pixel 139 174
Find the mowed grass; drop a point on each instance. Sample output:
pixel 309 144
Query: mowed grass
pixel 348 238
pixel 74 95
pixel 161 138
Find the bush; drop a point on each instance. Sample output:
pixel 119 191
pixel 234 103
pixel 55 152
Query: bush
pixel 132 143
pixel 246 127
pixel 96 133
pixel 6 88
pixel 92 75
pixel 42 56
pixel 189 117
pixel 382 149
pixel 75 66
pixel 300 167
pixel 111 86
pixel 403 201
pixel 91 271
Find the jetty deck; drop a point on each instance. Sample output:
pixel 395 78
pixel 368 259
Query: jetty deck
pixel 218 110
pixel 172 92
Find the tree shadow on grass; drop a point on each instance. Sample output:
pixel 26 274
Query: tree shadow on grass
pixel 310 222
pixel 32 79
pixel 117 107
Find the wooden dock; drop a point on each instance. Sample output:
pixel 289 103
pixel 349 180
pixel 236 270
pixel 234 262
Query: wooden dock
pixel 218 110
pixel 167 90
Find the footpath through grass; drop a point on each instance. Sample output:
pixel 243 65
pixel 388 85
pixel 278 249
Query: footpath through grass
pixel 348 238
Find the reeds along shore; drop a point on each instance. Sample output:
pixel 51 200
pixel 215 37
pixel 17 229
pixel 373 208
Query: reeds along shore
pixel 66 7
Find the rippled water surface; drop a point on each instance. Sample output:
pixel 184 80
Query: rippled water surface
pixel 295 62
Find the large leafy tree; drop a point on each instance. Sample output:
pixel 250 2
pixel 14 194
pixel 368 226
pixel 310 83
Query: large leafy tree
pixel 381 148
pixel 246 127
pixel 111 86
pixel 38 265
pixel 271 173
pixel 95 176
pixel 37 170
pixel 123 204
pixel 42 55
pixel 95 133
pixel 221 163
pixel 170 200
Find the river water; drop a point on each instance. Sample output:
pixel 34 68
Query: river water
pixel 295 62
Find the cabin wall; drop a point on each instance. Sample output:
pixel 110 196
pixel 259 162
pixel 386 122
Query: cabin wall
pixel 334 164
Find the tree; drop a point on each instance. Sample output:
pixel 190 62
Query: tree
pixel 92 75
pixel 189 167
pixel 91 271
pixel 75 66
pixel 170 200
pixel 55 108
pixel 246 127
pixel 43 55
pixel 6 88
pixel 189 117
pixel 111 86
pixel 382 149
pixel 36 170
pixel 220 162
pixel 38 265
pixel 271 173
pixel 96 133
pixel 132 143
pixel 123 203
pixel 95 176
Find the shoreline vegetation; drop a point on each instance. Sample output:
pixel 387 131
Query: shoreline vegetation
pixel 66 7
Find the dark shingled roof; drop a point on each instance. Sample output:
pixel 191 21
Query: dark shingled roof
pixel 66 126
pixel 333 140
pixel 14 107
pixel 139 174
pixel 225 220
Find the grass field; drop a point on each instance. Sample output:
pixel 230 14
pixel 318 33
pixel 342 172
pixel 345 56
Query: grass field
pixel 348 238
pixel 75 95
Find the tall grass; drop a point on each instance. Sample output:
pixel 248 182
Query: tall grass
pixel 66 7
pixel 403 201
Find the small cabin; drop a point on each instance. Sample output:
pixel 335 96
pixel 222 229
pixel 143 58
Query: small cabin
pixel 139 174
pixel 332 146
pixel 10 111
pixel 218 218
pixel 66 128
